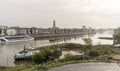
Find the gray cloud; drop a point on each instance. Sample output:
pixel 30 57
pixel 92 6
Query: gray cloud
pixel 68 13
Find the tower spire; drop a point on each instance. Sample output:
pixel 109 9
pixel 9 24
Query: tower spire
pixel 54 23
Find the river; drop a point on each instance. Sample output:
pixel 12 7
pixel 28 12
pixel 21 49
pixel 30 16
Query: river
pixel 8 50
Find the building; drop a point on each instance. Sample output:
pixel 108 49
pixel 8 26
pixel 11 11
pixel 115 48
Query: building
pixel 54 30
pixel 11 31
pixel 3 30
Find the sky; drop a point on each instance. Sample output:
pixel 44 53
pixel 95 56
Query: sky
pixel 67 13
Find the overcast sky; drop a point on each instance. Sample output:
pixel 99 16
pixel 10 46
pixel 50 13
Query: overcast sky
pixel 67 13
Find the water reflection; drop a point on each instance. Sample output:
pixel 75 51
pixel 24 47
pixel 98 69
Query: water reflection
pixel 79 39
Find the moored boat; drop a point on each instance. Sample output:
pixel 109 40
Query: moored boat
pixel 25 54
pixel 53 39
pixel 15 38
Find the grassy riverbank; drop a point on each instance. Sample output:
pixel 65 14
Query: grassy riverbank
pixel 97 53
pixel 52 64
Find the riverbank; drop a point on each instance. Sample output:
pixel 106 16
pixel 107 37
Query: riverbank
pixel 103 53
pixel 47 66
pixel 58 64
pixel 55 35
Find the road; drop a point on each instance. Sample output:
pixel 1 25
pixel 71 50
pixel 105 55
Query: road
pixel 88 67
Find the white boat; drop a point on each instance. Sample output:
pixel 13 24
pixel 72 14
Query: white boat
pixel 15 38
pixel 25 54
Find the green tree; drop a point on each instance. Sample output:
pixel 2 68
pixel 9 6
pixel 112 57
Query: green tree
pixel 0 31
pixel 93 53
pixel 39 57
pixel 87 41
pixel 116 37
pixel 88 45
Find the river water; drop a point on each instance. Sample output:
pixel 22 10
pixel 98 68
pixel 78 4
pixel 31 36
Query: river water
pixel 8 50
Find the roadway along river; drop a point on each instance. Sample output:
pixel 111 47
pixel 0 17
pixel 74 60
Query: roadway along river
pixel 88 67
pixel 8 50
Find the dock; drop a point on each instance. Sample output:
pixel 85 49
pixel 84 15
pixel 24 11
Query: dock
pixel 108 38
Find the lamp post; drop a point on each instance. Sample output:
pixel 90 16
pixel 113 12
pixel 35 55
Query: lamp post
pixel 7 64
pixel 83 52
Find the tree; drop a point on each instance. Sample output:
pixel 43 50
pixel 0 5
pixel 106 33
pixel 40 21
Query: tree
pixel 31 31
pixel 116 37
pixel 87 41
pixel 39 57
pixel 0 31
pixel 88 45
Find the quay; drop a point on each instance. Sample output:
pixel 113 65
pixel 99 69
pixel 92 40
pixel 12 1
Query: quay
pixel 54 35
pixel 109 38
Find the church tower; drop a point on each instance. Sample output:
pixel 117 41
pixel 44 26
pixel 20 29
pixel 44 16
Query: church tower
pixel 54 25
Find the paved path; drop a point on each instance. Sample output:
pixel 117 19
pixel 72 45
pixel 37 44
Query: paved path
pixel 88 67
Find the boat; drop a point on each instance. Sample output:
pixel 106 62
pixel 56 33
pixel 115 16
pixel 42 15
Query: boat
pixel 15 38
pixel 25 54
pixel 53 39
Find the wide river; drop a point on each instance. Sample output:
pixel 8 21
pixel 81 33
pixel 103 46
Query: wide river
pixel 8 50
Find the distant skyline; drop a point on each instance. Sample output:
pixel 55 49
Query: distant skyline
pixel 67 13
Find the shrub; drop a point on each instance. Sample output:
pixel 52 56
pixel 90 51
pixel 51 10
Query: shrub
pixel 39 57
pixel 46 54
pixel 71 45
pixel 69 57
pixel 93 53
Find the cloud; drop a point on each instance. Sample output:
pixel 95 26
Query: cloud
pixel 68 13
pixel 96 6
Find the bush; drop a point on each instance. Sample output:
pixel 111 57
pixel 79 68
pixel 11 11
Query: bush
pixel 105 50
pixel 46 54
pixel 69 57
pixel 71 45
pixel 39 57
pixel 93 53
